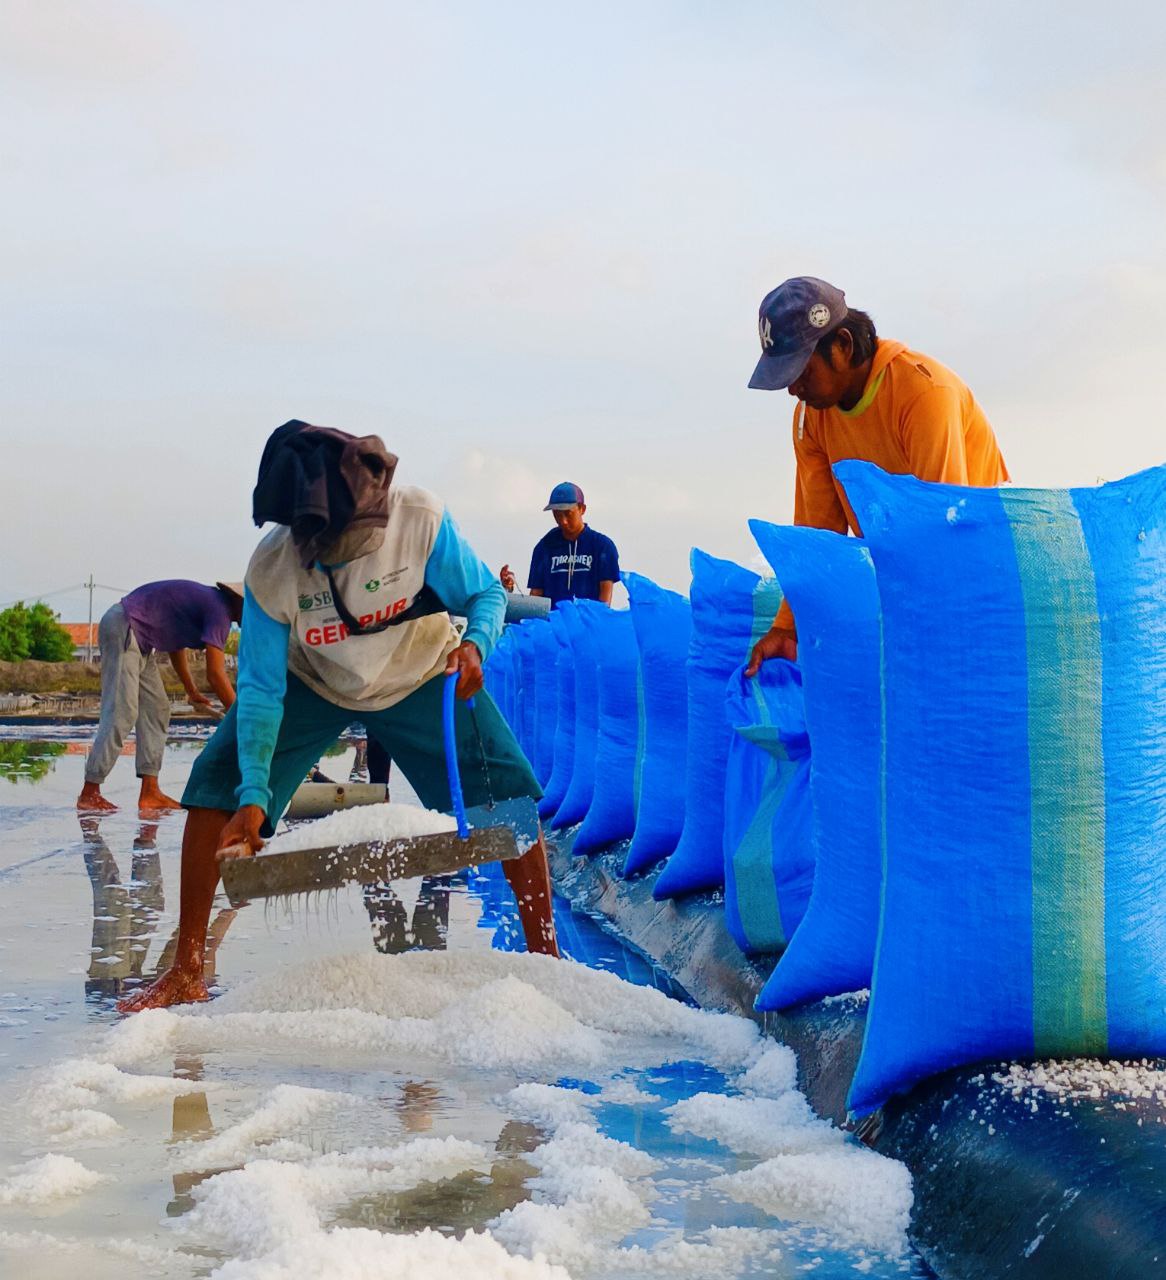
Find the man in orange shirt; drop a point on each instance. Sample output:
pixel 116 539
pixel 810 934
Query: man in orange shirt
pixel 860 396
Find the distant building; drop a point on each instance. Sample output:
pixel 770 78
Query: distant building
pixel 79 632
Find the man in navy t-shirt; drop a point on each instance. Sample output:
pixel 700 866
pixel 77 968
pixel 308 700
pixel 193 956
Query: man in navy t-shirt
pixel 573 561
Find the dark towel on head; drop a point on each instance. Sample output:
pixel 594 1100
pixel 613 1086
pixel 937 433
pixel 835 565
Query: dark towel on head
pixel 320 482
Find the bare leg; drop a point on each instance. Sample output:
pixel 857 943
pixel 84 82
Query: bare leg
pixel 530 881
pixel 152 796
pixel 183 981
pixel 92 801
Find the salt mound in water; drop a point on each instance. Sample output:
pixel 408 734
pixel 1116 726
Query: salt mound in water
pixel 286 1107
pixel 862 1197
pixel 755 1126
pixel 358 1254
pixel 260 1208
pixel 492 1009
pixel 501 1014
pixel 46 1178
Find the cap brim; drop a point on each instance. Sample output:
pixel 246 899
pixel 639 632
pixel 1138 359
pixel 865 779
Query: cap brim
pixel 775 373
pixel 235 588
pixel 560 506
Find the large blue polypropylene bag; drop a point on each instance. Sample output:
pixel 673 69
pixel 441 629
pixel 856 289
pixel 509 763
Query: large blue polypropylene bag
pixel 732 608
pixel 564 621
pixel 612 815
pixel 768 841
pixel 663 625
pixel 534 648
pixel 524 647
pixel 1024 676
pixel 543 694
pixel 581 787
pixel 829 581
pixel 499 672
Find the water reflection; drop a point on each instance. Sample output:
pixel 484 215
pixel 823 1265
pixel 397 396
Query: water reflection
pixel 126 914
pixel 29 761
pixel 190 1122
pixel 391 930
pixel 465 1202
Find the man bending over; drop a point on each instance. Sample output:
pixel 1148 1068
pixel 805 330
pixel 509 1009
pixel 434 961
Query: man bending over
pixel 346 616
pixel 866 397
pixel 160 617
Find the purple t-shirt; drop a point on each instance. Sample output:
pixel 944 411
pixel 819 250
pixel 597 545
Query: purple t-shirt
pixel 176 614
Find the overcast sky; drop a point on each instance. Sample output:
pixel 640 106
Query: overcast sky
pixel 525 242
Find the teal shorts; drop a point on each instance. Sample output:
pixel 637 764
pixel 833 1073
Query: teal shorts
pixel 410 732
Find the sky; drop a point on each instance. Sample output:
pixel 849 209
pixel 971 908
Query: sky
pixel 525 243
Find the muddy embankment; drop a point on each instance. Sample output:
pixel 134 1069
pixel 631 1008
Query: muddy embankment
pixel 75 687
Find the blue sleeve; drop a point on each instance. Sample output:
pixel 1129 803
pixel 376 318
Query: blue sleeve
pixel 466 586
pixel 536 580
pixel 608 562
pixel 261 688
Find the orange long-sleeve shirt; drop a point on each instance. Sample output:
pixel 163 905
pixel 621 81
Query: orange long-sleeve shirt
pixel 915 418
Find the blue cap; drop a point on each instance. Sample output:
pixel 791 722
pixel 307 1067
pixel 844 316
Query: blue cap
pixel 563 496
pixel 792 321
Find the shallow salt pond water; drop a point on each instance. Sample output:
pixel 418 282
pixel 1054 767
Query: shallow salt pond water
pixel 354 1106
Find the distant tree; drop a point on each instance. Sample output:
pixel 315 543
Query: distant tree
pixel 33 633
pixel 48 640
pixel 15 642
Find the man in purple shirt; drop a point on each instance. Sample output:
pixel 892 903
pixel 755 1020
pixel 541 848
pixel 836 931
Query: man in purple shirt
pixel 161 617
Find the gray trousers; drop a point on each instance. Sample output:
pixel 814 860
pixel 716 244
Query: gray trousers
pixel 132 697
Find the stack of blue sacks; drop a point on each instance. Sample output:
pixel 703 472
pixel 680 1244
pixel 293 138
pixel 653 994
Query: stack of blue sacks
pixel 956 797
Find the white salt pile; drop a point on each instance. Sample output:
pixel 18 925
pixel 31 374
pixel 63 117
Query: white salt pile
pixel 68 1098
pixel 591 1191
pixel 498 1032
pixel 860 1196
pixel 365 824
pixel 354 1253
pixel 490 1010
pixel 811 1171
pixel 1086 1078
pixel 287 1106
pixel 50 1177
pixel 758 1126
pixel 260 1208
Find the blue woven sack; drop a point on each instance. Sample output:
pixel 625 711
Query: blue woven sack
pixel 663 625
pixel 829 581
pixel 1024 674
pixel 581 787
pixel 499 675
pixel 564 622
pixel 769 861
pixel 544 695
pixel 731 609
pixel 525 666
pixel 612 815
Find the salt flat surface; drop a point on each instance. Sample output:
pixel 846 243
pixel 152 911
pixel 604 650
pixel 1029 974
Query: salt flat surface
pixel 347 1107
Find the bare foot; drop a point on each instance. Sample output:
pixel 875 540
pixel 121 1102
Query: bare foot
pixel 92 801
pixel 175 986
pixel 158 804
pixel 153 799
